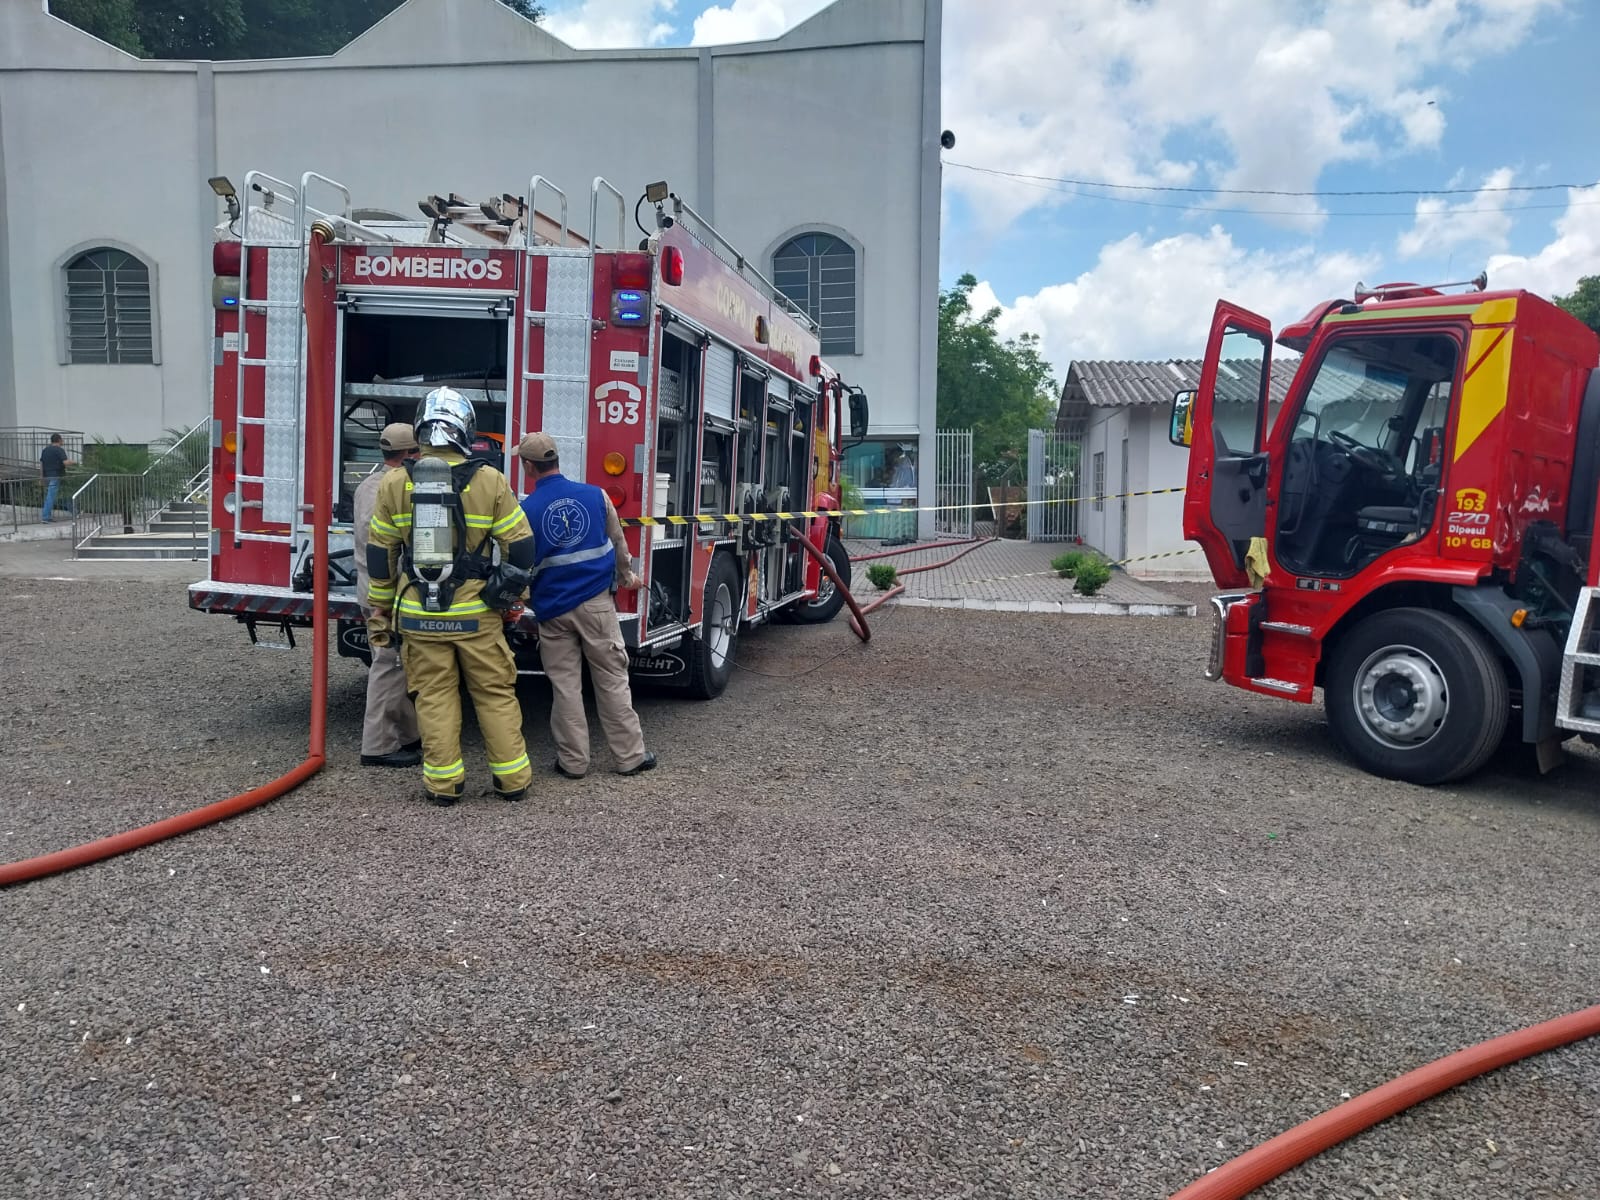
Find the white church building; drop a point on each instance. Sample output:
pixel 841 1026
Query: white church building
pixel 816 153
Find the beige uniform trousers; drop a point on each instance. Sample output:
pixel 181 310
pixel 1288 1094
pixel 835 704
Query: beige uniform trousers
pixel 435 669
pixel 590 632
pixel 391 720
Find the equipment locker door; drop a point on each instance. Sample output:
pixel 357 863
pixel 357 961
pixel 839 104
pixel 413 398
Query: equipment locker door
pixel 1224 423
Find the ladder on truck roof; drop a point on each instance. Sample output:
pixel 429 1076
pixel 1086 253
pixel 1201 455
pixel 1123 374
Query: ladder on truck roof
pixel 278 223
pixel 558 321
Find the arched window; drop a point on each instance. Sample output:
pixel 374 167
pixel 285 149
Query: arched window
pixel 108 308
pixel 818 272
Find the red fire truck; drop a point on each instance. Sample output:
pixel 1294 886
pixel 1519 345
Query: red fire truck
pixel 1422 509
pixel 669 372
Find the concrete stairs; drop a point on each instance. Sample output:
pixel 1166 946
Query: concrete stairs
pixel 181 530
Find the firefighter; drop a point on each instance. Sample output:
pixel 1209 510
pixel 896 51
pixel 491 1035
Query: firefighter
pixel 389 736
pixel 430 560
pixel 581 558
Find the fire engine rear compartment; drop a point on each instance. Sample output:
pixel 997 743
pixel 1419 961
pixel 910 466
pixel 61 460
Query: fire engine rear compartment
pixel 389 361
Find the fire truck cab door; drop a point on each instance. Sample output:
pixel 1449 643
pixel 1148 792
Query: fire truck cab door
pixel 1224 424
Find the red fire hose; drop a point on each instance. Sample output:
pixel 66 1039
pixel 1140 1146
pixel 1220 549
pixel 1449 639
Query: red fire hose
pixel 939 545
pixel 319 481
pixel 1241 1176
pixel 858 619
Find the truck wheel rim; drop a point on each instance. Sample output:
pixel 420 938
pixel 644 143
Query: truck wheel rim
pixel 824 593
pixel 1401 698
pixel 721 625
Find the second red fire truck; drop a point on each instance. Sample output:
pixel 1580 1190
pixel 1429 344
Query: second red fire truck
pixel 668 371
pixel 1412 530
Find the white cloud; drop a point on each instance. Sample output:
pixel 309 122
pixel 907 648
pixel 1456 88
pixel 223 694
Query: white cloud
pixel 1154 299
pixel 1146 299
pixel 1273 92
pixel 1479 220
pixel 1574 252
pixel 608 24
pixel 751 20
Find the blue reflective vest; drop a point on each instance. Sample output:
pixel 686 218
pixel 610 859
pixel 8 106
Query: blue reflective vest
pixel 573 558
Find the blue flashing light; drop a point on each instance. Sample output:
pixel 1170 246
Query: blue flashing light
pixel 630 307
pixel 230 302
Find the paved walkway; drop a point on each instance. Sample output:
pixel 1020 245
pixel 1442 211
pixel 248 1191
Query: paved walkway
pixel 1012 576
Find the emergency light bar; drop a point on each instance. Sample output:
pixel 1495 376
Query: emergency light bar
pixel 630 306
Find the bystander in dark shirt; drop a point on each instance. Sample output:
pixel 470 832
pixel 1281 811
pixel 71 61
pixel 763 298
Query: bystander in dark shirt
pixel 53 462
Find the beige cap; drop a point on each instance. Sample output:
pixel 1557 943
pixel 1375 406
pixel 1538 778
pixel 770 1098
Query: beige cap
pixel 398 436
pixel 537 447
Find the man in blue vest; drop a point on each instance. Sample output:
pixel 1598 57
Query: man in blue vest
pixel 580 559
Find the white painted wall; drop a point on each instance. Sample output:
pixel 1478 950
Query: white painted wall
pixel 831 124
pixel 1102 528
pixel 807 134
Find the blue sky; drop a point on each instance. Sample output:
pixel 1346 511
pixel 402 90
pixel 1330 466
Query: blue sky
pixel 1287 95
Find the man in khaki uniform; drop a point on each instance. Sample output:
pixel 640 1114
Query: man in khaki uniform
pixel 580 558
pixel 449 631
pixel 389 736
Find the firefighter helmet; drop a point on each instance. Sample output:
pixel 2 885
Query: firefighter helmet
pixel 446 419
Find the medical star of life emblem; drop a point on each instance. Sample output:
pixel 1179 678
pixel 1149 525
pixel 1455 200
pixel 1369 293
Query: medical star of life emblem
pixel 566 523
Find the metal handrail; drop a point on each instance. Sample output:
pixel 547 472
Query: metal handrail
pixel 594 213
pixel 533 208
pixel 341 220
pixel 740 263
pixel 135 497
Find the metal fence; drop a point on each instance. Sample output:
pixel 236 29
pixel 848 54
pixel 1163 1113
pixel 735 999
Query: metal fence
pixel 21 484
pixel 953 483
pixel 129 502
pixel 1053 485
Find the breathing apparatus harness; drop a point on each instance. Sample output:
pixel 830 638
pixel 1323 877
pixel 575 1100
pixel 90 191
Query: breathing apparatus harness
pixel 435 558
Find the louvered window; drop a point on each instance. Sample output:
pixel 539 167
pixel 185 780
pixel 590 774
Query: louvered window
pixel 109 308
pixel 818 272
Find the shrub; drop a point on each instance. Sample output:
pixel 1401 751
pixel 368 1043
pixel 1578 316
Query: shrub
pixel 1066 565
pixel 1094 573
pixel 882 575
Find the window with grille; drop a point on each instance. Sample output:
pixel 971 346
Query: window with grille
pixel 1099 481
pixel 108 308
pixel 818 272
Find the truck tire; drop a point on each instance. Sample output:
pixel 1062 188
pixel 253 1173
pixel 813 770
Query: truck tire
pixel 829 599
pixel 709 661
pixel 1414 694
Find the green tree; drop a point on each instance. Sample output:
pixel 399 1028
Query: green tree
pixel 209 29
pixel 1583 301
pixel 998 388
pixel 224 29
pixel 114 21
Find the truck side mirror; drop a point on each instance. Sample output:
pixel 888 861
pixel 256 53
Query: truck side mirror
pixel 1181 431
pixel 858 415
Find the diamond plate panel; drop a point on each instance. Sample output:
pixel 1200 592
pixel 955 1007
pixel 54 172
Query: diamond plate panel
pixel 283 448
pixel 271 226
pixel 566 352
pixel 719 381
pixel 670 390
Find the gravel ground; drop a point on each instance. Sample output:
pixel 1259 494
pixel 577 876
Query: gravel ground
pixel 998 905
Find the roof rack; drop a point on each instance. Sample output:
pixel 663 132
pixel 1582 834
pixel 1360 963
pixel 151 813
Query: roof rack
pixel 1408 291
pixel 701 230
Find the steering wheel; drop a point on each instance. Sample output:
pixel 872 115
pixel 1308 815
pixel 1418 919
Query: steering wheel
pixel 1367 456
